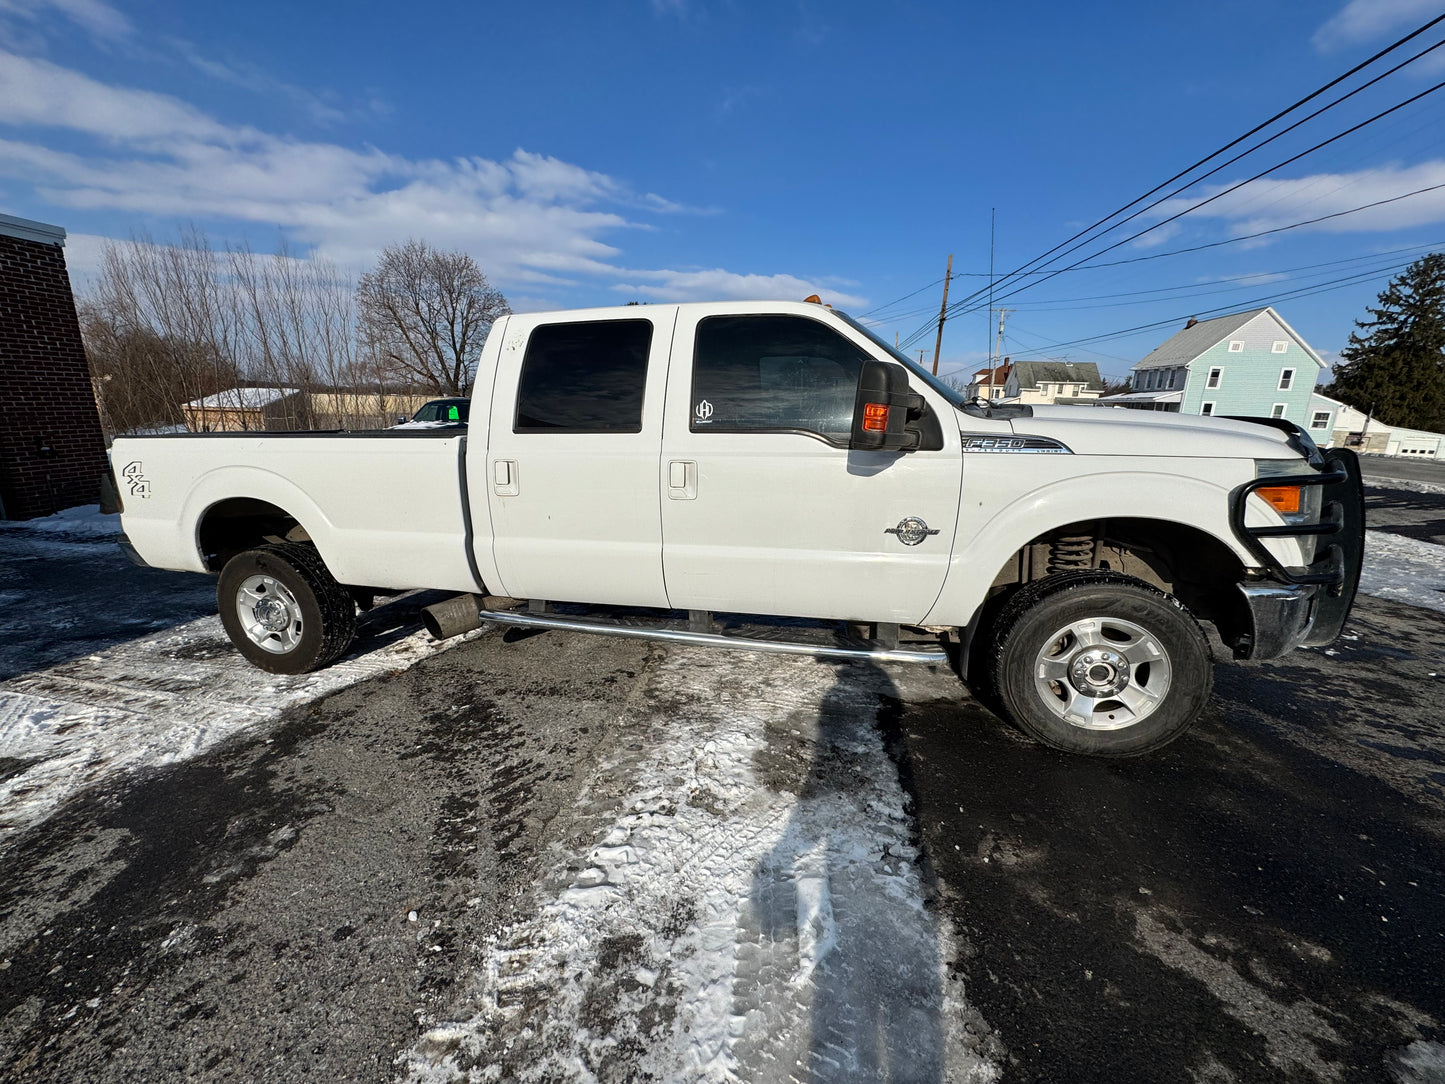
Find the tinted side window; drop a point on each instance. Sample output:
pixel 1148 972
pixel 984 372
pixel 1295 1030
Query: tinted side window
pixel 774 372
pixel 584 378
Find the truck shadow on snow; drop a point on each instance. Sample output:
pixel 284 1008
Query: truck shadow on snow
pixel 836 924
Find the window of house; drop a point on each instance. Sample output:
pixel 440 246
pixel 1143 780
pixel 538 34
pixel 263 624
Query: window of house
pixel 1321 420
pixel 1214 377
pixel 774 373
pixel 1280 347
pixel 1277 411
pixel 1207 409
pixel 584 378
pixel 1236 346
pixel 1286 379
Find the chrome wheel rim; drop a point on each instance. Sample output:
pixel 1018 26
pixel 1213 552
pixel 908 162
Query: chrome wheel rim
pixel 269 614
pixel 1102 673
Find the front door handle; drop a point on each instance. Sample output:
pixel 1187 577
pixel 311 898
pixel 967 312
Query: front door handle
pixel 682 480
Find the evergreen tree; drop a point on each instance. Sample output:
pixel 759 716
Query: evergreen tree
pixel 1394 366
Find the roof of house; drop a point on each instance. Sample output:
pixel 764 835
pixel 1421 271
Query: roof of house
pixel 1000 375
pixel 241 398
pixel 1200 335
pixel 1033 373
pixel 1141 397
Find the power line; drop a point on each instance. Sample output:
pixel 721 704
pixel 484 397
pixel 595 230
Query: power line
pixel 1259 302
pixel 1262 233
pixel 961 305
pixel 1230 145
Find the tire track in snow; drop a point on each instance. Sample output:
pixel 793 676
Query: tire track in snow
pixel 740 901
pixel 151 702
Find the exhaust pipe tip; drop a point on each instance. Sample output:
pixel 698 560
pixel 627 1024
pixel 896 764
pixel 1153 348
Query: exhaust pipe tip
pixel 452 617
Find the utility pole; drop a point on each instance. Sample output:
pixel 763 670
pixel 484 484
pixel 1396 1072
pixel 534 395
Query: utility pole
pixel 942 314
pixel 998 349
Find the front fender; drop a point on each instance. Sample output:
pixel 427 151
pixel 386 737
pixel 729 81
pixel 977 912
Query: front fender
pixel 1007 505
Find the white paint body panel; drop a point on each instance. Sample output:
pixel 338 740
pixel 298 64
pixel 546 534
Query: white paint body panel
pixel 783 523
pixel 383 511
pixel 775 523
pixel 578 521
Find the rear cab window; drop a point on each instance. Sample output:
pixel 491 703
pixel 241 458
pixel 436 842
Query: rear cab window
pixel 586 377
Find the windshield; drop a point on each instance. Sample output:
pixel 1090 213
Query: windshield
pixel 952 394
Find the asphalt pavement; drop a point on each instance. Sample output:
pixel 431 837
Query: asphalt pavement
pixel 1261 901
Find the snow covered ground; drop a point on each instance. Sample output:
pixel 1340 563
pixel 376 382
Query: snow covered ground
pixel 146 702
pixel 738 883
pixel 1404 570
pixel 748 907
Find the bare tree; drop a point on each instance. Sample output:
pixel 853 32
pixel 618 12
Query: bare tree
pixel 424 314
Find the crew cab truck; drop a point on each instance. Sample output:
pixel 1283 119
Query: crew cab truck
pixel 776 458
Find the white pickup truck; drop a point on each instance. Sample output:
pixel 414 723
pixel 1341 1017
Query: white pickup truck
pixel 776 458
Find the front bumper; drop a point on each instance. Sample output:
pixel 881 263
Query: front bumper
pixel 1295 606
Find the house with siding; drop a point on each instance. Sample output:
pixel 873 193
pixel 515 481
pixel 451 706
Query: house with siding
pixel 989 383
pixel 1249 364
pixel 1076 383
pixel 1342 426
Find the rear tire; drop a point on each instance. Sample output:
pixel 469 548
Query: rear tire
pixel 284 610
pixel 1099 663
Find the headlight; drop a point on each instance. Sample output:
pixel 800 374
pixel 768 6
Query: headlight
pixel 1294 504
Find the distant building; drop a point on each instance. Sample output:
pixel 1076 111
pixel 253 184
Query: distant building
pixel 1075 383
pixel 52 453
pixel 1337 425
pixel 1249 364
pixel 237 409
pixel 989 383
pixel 285 409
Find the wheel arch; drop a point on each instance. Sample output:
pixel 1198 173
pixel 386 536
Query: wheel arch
pixel 1183 559
pixel 236 509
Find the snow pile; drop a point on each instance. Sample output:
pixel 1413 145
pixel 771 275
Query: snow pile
pixel 147 703
pixel 1404 570
pixel 748 909
pixel 1413 485
pixel 85 521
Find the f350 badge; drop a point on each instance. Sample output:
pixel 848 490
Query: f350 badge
pixel 910 530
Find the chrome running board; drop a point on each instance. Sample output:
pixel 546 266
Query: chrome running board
pixel 526 620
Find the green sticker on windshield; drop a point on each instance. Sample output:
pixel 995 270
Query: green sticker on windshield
pixel 453 414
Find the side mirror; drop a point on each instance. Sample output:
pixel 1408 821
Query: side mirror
pixel 883 408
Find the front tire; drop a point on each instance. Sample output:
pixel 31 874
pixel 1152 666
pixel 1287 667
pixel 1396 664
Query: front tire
pixel 1099 663
pixel 284 610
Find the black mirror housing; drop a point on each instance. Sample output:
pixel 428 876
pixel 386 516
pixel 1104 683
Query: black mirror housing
pixel 883 408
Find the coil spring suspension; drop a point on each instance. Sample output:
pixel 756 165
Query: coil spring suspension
pixel 1070 552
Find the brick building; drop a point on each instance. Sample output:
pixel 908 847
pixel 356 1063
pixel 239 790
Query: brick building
pixel 52 453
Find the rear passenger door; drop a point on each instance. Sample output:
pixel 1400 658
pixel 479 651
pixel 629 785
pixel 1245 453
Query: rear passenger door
pixel 572 458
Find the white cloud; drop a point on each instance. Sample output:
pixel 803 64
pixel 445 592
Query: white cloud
pixel 1362 21
pixel 529 219
pixel 1267 204
pixel 96 17
pixel 718 284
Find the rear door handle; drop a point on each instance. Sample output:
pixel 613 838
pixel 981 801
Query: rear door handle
pixel 504 477
pixel 682 480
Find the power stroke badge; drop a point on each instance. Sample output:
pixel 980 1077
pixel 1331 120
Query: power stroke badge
pixel 910 530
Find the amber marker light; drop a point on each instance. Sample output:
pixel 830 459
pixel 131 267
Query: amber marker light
pixel 1283 499
pixel 875 418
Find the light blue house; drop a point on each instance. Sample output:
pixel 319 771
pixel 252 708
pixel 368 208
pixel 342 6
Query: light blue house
pixel 1250 364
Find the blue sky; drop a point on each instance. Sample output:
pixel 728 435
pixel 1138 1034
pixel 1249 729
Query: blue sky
pixel 652 150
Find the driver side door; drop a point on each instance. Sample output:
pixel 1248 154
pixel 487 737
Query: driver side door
pixel 765 509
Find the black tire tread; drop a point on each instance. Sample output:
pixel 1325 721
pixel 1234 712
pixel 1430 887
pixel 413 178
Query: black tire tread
pixel 334 603
pixel 1024 601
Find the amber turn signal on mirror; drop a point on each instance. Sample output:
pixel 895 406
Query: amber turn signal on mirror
pixel 875 417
